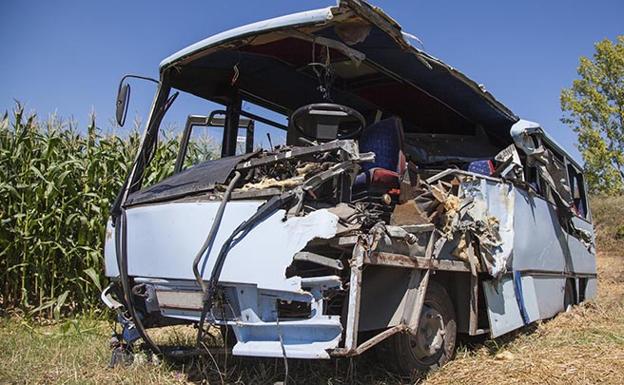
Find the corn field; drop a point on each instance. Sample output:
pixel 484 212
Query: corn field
pixel 56 188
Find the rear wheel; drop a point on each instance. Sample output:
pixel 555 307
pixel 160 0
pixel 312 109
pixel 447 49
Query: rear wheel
pixel 434 343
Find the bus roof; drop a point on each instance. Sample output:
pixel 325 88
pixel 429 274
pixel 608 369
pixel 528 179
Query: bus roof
pixel 409 65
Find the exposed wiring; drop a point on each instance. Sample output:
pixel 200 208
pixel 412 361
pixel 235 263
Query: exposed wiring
pixel 324 75
pixel 207 246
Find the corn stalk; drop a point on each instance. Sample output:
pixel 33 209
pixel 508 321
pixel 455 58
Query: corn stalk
pixel 56 188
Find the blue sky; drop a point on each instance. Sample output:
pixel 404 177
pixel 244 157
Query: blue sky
pixel 67 56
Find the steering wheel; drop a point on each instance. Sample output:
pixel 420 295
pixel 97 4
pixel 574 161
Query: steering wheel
pixel 327 121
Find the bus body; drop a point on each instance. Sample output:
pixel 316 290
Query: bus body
pixel 407 205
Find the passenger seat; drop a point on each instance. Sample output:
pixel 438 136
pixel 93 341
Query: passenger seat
pixel 385 138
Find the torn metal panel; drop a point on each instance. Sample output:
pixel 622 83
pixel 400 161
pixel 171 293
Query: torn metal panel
pixel 466 208
pixel 510 165
pixel 482 211
pixel 492 208
pixel 258 332
pixel 309 339
pixel 318 259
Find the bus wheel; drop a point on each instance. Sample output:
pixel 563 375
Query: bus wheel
pixel 434 343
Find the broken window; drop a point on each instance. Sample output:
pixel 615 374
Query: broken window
pixel 577 187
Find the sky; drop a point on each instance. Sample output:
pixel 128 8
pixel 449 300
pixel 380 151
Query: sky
pixel 66 57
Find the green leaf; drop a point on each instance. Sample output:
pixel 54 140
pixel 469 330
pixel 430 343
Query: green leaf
pixel 94 277
pixel 60 301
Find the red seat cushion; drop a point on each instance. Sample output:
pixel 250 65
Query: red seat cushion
pixel 384 178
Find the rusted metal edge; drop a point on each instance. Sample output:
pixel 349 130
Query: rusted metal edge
pixel 400 260
pixel 258 194
pixel 414 306
pixel 355 290
pixel 473 323
pixel 344 352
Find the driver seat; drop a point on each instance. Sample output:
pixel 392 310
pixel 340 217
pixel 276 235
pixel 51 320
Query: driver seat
pixel 385 138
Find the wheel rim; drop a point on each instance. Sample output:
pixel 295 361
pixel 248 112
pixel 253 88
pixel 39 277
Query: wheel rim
pixel 429 339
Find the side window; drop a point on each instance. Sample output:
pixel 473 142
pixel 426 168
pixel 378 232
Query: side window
pixel 203 144
pixel 202 135
pixel 551 179
pixel 533 179
pixel 577 187
pixel 532 175
pixel 557 170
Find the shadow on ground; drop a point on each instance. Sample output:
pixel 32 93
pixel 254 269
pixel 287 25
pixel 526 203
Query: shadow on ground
pixel 367 369
pixel 221 368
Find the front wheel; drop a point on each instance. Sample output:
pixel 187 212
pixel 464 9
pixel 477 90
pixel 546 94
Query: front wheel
pixel 434 343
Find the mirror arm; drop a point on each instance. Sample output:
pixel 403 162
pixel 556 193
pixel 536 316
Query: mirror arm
pixel 126 97
pixel 126 76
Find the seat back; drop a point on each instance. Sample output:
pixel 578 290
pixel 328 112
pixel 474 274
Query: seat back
pixel 385 139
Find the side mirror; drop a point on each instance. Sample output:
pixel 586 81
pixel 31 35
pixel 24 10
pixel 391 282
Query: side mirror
pixel 123 97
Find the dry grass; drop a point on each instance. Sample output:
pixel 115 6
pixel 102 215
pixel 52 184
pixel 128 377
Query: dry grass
pixel 608 215
pixel 76 352
pixel 583 346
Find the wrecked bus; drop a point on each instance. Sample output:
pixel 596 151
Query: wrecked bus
pixel 406 207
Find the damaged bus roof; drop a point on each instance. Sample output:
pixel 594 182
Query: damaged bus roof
pixel 374 67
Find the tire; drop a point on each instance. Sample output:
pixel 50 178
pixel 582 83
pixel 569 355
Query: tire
pixel 404 353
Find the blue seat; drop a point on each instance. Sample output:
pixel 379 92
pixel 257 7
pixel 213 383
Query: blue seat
pixel 385 139
pixel 483 167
